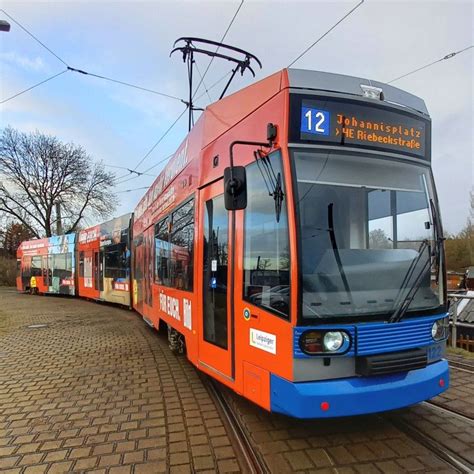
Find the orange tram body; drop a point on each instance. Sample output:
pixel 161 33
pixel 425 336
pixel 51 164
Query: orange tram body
pixel 307 275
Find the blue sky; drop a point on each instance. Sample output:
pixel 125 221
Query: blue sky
pixel 131 41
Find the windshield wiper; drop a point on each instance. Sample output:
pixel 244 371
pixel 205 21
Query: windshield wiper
pixel 332 236
pixel 406 302
pixel 272 181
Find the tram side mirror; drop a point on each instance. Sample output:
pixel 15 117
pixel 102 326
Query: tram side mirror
pixel 235 188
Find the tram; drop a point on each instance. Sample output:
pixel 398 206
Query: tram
pixel 292 247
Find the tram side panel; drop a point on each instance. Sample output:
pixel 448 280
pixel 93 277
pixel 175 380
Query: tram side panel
pixel 250 357
pixel 47 266
pixel 88 258
pixel 115 254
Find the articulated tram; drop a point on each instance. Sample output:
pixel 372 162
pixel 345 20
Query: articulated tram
pixel 292 247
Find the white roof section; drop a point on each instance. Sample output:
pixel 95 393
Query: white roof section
pixel 329 82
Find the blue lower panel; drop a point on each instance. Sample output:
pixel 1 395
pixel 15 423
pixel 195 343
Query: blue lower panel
pixel 358 395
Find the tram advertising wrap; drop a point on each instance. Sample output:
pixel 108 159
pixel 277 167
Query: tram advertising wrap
pixel 350 123
pixel 325 295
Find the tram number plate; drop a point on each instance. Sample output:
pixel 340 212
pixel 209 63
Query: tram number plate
pixel 435 352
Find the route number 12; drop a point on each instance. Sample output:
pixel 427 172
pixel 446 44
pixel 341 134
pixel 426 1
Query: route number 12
pixel 315 121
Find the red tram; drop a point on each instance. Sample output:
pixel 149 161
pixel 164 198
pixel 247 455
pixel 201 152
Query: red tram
pixel 293 247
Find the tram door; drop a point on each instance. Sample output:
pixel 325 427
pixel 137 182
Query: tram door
pixel 215 332
pixel 99 270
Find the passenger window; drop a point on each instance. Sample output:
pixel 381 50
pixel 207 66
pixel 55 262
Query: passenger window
pixel 174 256
pixel 81 264
pixel 116 261
pixel 36 266
pixel 162 251
pixel 267 249
pixel 182 239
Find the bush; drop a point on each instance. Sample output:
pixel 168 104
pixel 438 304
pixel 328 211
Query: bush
pixel 7 271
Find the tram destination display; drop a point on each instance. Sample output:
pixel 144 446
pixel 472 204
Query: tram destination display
pixel 347 123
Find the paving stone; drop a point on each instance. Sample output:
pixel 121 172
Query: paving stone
pixel 60 467
pixel 108 393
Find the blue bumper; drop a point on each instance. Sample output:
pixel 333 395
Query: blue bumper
pixel 358 395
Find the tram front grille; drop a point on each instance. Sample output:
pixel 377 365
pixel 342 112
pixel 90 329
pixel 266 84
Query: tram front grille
pixel 391 363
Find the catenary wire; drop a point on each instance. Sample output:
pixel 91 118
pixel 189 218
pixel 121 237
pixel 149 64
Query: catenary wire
pixel 326 33
pixel 128 84
pixel 34 37
pixel 81 71
pixel 227 74
pixel 448 56
pixel 217 49
pixel 163 160
pixel 147 154
pixel 203 83
pixel 138 173
pixel 35 85
pixel 134 189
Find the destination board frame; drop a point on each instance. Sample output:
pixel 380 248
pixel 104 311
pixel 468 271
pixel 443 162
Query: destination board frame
pixel 329 110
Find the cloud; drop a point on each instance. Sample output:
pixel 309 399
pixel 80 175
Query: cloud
pixel 34 64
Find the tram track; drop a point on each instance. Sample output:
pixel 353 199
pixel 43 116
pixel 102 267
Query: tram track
pixel 461 366
pixel 248 453
pixel 449 411
pixel 456 461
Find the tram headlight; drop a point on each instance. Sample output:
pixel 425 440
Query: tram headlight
pixel 439 329
pixel 320 342
pixel 333 341
pixel 311 342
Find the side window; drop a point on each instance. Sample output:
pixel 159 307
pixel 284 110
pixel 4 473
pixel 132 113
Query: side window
pixel 81 264
pixel 116 261
pixel 162 251
pixel 174 241
pixel 182 239
pixel 36 266
pixel 267 249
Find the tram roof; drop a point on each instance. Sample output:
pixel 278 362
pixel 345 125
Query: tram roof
pixel 340 83
pixel 222 115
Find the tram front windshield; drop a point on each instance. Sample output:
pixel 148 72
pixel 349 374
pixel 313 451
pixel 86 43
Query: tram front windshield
pixel 367 235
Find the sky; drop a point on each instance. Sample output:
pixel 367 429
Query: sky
pixel 131 41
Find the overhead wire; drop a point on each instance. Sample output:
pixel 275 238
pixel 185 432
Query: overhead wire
pixel 34 37
pixel 217 49
pixel 163 160
pixel 148 153
pixel 326 33
pixel 203 83
pixel 138 173
pixel 448 56
pixel 81 71
pixel 86 73
pixel 32 87
pixel 130 190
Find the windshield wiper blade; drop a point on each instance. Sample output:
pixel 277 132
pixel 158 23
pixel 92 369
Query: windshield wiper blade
pixel 410 271
pixel 406 302
pixel 273 182
pixel 337 256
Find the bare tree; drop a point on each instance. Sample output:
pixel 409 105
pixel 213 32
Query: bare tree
pixel 38 171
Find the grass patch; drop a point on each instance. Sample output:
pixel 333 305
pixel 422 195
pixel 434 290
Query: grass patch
pixel 460 352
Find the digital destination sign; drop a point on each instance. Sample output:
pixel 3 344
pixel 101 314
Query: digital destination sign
pixel 347 123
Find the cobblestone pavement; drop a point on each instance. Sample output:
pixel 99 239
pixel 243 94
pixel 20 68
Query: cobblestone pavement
pixel 460 396
pixel 98 391
pixel 454 433
pixel 364 444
